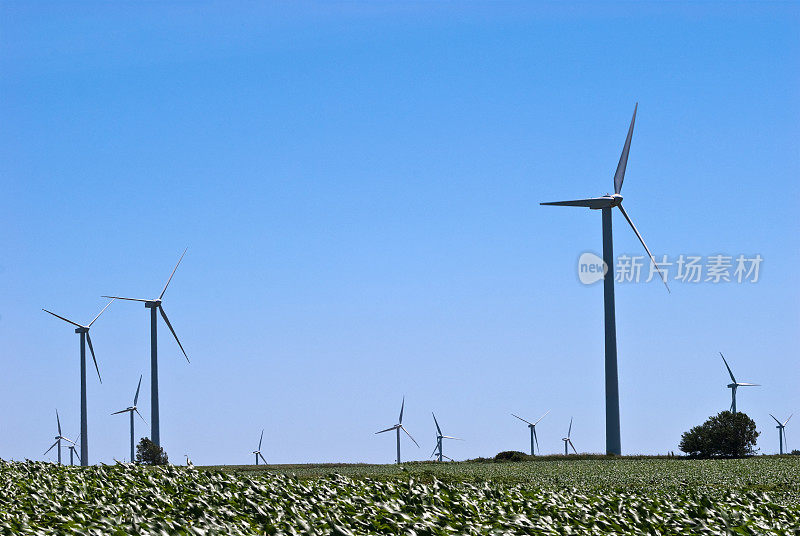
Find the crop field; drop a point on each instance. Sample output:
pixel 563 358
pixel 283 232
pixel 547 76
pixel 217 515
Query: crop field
pixel 621 496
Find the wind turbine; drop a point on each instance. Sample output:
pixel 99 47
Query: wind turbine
pixel 72 455
pixel 58 439
pixel 568 441
pixel 606 203
pixel 131 410
pixel 257 452
pixel 532 426
pixel 734 385
pixel 397 427
pixel 439 438
pixel 155 305
pixel 781 431
pixel 83 331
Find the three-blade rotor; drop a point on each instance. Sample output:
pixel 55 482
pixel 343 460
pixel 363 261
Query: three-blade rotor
pixel 399 425
pixel 134 407
pixel 157 303
pixel 610 201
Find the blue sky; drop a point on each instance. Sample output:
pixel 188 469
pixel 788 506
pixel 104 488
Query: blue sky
pixel 358 185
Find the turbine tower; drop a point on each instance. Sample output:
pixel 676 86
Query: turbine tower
pixel 257 452
pixel 397 427
pixel 781 431
pixel 606 203
pixel 131 410
pixel 439 437
pixel 532 426
pixel 83 331
pixel 567 440
pixel 58 439
pixel 734 385
pixel 155 305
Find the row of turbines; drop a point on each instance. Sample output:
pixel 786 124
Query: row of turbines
pixel 605 203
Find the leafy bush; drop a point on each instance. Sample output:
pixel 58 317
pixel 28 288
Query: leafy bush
pixel 723 435
pixel 511 456
pixel 148 453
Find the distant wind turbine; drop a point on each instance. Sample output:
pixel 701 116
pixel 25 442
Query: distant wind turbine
pixel 131 410
pixel 83 331
pixel 532 426
pixel 397 427
pixel 439 437
pixel 257 452
pixel 72 454
pixel 606 203
pixel 58 439
pixel 781 431
pixel 568 441
pixel 734 385
pixel 155 305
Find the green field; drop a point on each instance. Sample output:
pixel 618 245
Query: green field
pixel 553 496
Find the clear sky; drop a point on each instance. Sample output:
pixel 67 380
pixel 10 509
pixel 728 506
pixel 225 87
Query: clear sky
pixel 358 185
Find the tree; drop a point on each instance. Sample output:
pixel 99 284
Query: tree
pixel 723 435
pixel 148 453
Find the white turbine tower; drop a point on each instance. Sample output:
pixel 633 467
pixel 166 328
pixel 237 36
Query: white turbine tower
pixel 397 427
pixel 734 385
pixel 532 426
pixel 781 431
pixel 437 451
pixel 568 441
pixel 131 410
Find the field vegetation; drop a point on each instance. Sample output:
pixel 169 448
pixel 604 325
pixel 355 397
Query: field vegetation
pixel 590 496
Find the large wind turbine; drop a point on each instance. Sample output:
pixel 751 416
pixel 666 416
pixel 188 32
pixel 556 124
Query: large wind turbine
pixel 439 437
pixel 131 410
pixel 257 452
pixel 734 385
pixel 781 431
pixel 606 203
pixel 83 331
pixel 155 305
pixel 568 441
pixel 532 426
pixel 397 427
pixel 58 439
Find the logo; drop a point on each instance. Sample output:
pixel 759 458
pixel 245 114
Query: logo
pixel 591 268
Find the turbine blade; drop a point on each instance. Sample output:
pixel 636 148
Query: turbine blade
pixel 136 396
pixel 787 420
pixel 639 236
pixel 262 458
pixel 91 349
pixel 64 319
pixel 619 176
pixel 51 447
pixel 68 440
pixel 448 457
pixel 101 312
pixel 727 367
pixel 121 411
pixel 745 384
pixel 776 420
pixel 437 424
pixel 128 299
pixel 58 421
pixel 164 316
pixel 173 273
pixel 409 435
pixel 542 417
pixel 434 449
pixel 395 427
pixel 569 433
pixel 261 439
pixel 573 446
pixel 591 202
pixel 140 415
pixel 520 418
pixel 536 440
pixel 451 437
pixel 402 407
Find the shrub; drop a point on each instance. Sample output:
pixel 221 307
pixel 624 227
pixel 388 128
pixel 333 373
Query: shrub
pixel 148 453
pixel 723 435
pixel 511 456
